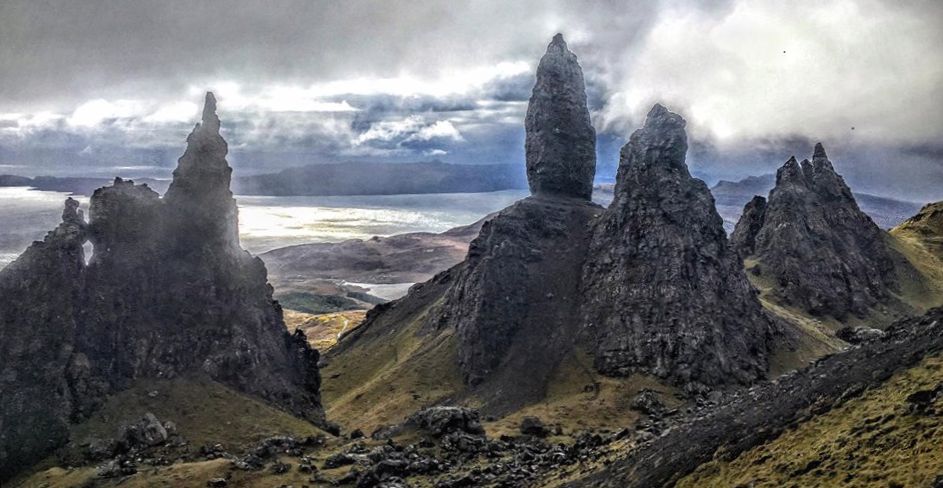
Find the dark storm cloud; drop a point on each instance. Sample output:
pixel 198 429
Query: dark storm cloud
pixel 103 83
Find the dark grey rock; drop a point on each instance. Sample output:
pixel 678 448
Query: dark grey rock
pixel 534 426
pixel 168 292
pixel 146 432
pixel 826 256
pixel 647 402
pixel 663 291
pixel 754 416
pixel 439 421
pixel 561 141
pixel 743 238
pixel 858 334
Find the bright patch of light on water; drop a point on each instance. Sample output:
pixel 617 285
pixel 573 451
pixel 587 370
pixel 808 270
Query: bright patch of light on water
pixel 267 223
pixel 26 215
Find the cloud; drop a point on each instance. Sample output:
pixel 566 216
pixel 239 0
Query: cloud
pixel 440 129
pixel 318 80
pixel 790 68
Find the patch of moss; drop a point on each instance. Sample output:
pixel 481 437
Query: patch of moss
pixel 323 330
pixel 873 440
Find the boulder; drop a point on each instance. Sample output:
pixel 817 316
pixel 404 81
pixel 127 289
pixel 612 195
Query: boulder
pixel 439 421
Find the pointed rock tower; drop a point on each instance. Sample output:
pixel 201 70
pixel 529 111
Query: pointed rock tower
pixel 663 292
pixel 826 256
pixel 199 200
pixel 561 141
pixel 168 293
pixel 511 306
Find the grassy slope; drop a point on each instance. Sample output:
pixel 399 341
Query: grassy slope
pixel 919 268
pixel 205 412
pixel 383 379
pixel 323 330
pixel 872 440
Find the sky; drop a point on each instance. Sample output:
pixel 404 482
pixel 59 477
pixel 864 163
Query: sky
pixel 105 87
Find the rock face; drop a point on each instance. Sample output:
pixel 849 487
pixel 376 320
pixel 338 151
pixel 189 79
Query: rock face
pixel 826 255
pixel 663 292
pixel 513 300
pixel 168 292
pixel 754 416
pixel 520 280
pixel 648 285
pixel 743 237
pixel 561 141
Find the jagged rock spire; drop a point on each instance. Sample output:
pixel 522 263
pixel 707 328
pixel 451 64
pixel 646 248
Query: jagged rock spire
pixel 813 239
pixel 561 141
pixel 790 172
pixel 664 294
pixel 210 119
pixel 200 188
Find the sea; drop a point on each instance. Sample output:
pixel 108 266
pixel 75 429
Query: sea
pixel 267 223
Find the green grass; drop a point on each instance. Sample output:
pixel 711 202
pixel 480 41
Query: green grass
pixel 869 441
pixel 204 411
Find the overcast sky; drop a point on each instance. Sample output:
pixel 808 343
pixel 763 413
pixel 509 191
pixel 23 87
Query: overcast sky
pixel 103 87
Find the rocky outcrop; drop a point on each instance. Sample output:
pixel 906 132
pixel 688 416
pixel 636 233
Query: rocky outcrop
pixel 40 292
pixel 743 237
pixel 825 255
pixel 757 415
pixel 663 292
pixel 561 141
pixel 513 300
pixel 168 292
pixel 648 285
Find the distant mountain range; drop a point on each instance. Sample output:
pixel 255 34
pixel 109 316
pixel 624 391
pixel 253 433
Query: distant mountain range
pixel 350 178
pixel 78 185
pixel 365 178
pixel 731 196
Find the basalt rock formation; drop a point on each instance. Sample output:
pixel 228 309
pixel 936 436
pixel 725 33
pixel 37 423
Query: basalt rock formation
pixel 513 300
pixel 826 255
pixel 561 141
pixel 168 292
pixel 761 413
pixel 649 285
pixel 663 292
pixel 751 221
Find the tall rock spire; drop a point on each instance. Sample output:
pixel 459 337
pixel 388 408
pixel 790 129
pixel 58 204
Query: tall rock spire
pixel 664 294
pixel 200 192
pixel 561 141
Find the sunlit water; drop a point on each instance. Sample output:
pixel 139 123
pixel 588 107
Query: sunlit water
pixel 269 222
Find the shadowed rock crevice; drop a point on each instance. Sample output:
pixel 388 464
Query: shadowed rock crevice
pixel 168 293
